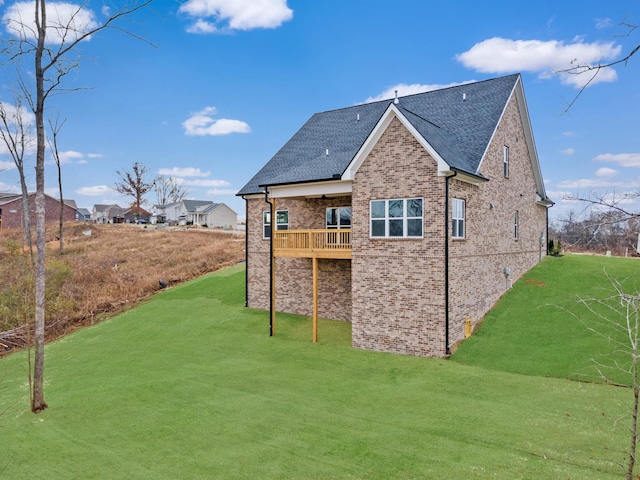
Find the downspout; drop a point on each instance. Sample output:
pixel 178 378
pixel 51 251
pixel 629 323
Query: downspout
pixel 547 237
pixel 266 199
pixel 446 263
pixel 246 253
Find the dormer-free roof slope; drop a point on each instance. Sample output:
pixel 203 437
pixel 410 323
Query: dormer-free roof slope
pixel 457 122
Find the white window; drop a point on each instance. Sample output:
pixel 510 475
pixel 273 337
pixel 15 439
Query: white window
pixel 282 222
pixel 516 226
pixel 339 217
pixel 457 218
pixel 505 161
pixel 398 218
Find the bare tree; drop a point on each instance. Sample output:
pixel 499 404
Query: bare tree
pixel 134 184
pixel 591 71
pixel 168 190
pixel 598 229
pixel 51 47
pixel 16 132
pixel 617 319
pixel 55 128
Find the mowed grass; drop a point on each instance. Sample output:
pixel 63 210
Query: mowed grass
pixel 190 385
pixel 541 328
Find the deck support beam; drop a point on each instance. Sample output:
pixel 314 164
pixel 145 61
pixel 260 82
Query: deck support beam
pixel 314 262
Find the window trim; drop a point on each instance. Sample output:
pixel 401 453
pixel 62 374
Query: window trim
pixel 405 219
pixel 455 210
pixel 505 161
pixel 265 215
pixel 338 226
pixel 516 225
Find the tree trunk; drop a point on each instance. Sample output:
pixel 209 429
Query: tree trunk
pixel 38 403
pixel 634 421
pixel 61 198
pixel 26 215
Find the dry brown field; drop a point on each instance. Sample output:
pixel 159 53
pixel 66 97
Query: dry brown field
pixel 107 269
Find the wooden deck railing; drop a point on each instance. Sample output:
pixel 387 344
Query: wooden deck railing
pixel 327 243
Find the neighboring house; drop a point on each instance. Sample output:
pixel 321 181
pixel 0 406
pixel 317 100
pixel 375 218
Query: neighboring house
pixel 136 215
pixel 83 215
pixel 108 213
pixel 409 217
pixel 11 210
pixel 196 212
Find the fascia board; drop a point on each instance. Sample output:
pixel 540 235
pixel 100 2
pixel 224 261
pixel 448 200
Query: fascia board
pixel 315 189
pixel 518 91
pixel 528 135
pixel 253 196
pixel 371 141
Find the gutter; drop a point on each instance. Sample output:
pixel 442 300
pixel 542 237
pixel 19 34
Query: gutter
pixel 246 253
pixel 266 199
pixel 446 263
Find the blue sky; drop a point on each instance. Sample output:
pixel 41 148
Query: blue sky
pixel 220 85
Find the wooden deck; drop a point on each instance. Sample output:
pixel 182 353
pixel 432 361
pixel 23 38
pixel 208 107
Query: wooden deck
pixel 327 243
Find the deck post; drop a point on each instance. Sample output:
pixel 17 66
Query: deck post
pixel 314 261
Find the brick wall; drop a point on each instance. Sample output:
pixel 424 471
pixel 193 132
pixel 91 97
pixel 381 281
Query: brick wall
pixel 12 212
pixel 477 263
pixel 294 275
pixel 393 290
pixel 398 284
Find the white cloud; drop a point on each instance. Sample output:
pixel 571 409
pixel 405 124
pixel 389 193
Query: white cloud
pixel 549 58
pixel 202 123
pixel 622 159
pixel 202 26
pixel 568 151
pixel 589 184
pixel 568 134
pixel 70 156
pixel 206 183
pixel 96 190
pixel 604 23
pixel 606 172
pixel 6 188
pixel 63 20
pixel 217 15
pixel 183 172
pixel 6 165
pixel 404 89
pixel 221 192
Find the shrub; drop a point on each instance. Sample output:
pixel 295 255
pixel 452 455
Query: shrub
pixel 555 248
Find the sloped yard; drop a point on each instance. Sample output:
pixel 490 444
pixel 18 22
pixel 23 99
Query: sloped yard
pixel 190 385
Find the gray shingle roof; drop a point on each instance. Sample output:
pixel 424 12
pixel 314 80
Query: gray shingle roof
pixel 459 130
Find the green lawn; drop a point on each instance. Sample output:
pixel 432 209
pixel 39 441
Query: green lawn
pixel 190 385
pixel 534 329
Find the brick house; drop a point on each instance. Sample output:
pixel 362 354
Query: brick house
pixel 11 210
pixel 409 217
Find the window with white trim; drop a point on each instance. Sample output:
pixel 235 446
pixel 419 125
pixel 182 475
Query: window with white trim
pixel 282 222
pixel 457 218
pixel 397 218
pixel 516 225
pixel 339 217
pixel 505 161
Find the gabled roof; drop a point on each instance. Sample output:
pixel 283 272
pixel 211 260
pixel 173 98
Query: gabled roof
pixel 457 123
pixel 100 207
pixel 8 197
pixel 71 203
pixel 196 205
